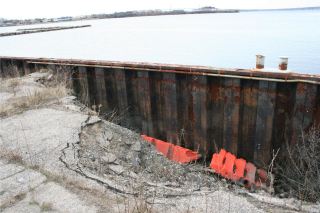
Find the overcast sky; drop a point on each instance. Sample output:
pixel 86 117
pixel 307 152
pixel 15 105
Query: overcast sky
pixel 21 9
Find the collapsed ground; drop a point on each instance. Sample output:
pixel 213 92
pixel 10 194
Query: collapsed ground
pixel 107 167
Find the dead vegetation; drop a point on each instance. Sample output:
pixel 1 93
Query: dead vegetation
pixel 298 169
pixel 57 84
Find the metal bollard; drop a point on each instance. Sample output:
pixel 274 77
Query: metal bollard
pixel 260 61
pixel 283 64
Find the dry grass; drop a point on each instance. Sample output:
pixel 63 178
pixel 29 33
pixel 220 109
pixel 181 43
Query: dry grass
pixel 11 72
pixel 34 100
pixel 298 169
pixel 58 86
pixel 11 84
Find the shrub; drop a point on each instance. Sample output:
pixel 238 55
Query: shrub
pixel 298 169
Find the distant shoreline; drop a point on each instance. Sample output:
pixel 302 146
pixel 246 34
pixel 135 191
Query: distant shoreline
pixel 131 14
pixel 127 14
pixel 280 9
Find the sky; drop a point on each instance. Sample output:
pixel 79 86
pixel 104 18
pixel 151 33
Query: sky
pixel 24 9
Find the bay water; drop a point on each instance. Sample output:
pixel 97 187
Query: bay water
pixel 228 40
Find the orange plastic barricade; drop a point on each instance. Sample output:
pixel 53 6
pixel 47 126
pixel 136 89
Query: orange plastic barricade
pixel 227 169
pixel 240 167
pixel 250 176
pixel 172 152
pixel 163 147
pixel 182 155
pixel 217 161
pixel 192 156
pixel 238 170
pixel 149 139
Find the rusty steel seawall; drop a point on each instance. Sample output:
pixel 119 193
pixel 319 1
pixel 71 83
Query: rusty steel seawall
pixel 246 112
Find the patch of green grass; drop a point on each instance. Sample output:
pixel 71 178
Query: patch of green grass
pixel 15 158
pixel 2 192
pixel 20 196
pixel 31 203
pixel 2 207
pixel 51 177
pixel 119 201
pixel 46 206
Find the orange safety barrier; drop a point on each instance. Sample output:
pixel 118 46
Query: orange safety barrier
pixel 250 175
pixel 224 163
pixel 227 169
pixel 238 170
pixel 172 152
pixel 240 167
pixel 218 160
pixel 149 139
pixel 163 147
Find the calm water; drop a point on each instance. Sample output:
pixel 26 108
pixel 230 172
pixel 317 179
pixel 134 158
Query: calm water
pixel 219 40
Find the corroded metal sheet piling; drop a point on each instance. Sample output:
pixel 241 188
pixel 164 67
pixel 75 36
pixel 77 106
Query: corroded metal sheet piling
pixel 231 114
pixel 246 112
pixel 264 121
pixel 101 88
pixel 145 102
pixel 171 111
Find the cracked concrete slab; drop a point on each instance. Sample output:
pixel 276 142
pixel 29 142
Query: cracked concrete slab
pixel 61 199
pixel 39 135
pixel 27 205
pixel 7 170
pixel 20 183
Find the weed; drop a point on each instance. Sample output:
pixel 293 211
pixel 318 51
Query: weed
pixel 11 71
pixel 31 203
pixel 52 177
pixel 11 157
pixel 2 192
pixel 2 207
pixel 298 169
pixel 46 206
pixel 58 86
pixel 20 196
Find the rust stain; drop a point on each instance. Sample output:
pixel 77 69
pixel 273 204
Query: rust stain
pixel 283 66
pixel 300 88
pixel 215 90
pixel 100 75
pixel 273 101
pixel 236 99
pixel 119 75
pixel 259 66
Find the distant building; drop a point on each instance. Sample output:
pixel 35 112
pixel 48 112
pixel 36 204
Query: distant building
pixel 76 18
pixel 208 8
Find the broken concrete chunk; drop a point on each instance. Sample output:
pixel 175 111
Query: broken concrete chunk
pixel 108 135
pixel 102 141
pixel 118 169
pixel 133 174
pixel 136 146
pixel 109 157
